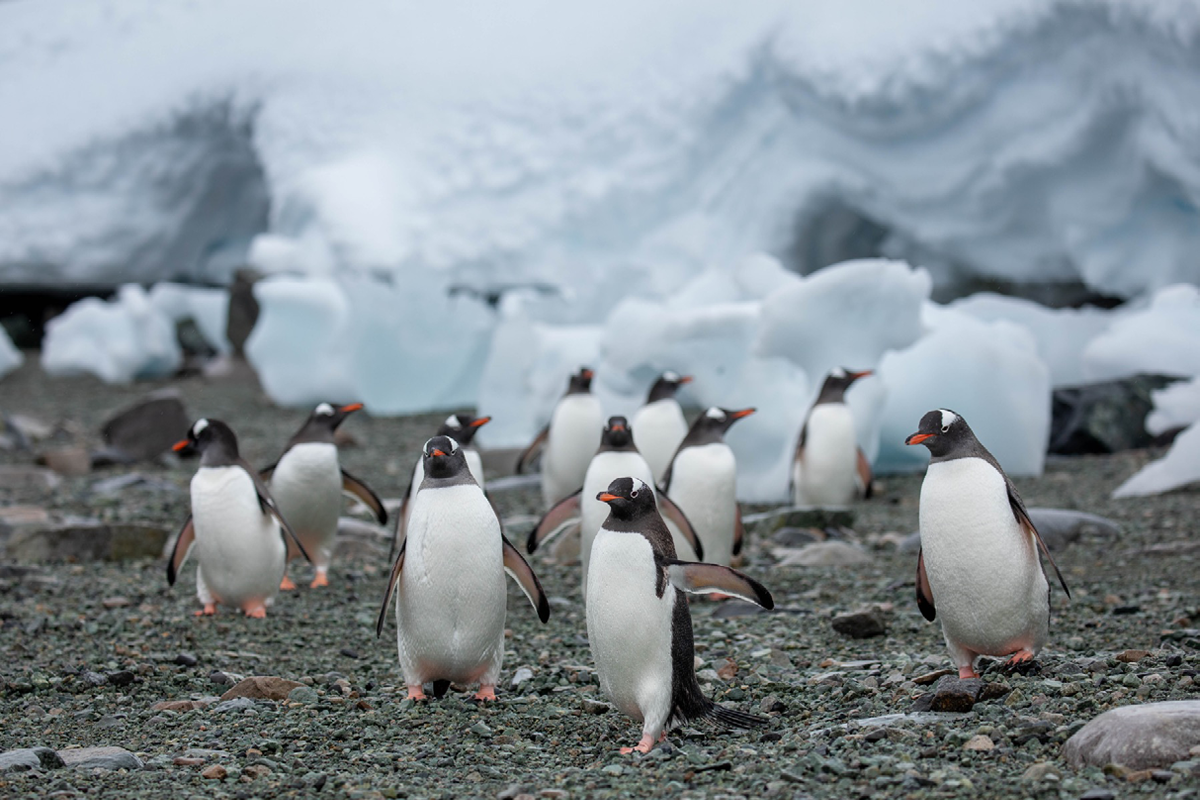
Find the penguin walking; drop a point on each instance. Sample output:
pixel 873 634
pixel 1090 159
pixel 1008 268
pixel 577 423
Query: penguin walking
pixel 235 527
pixel 462 429
pixel 659 425
pixel 448 579
pixel 307 482
pixel 829 468
pixel 702 479
pixel 617 457
pixel 569 441
pixel 979 551
pixel 639 627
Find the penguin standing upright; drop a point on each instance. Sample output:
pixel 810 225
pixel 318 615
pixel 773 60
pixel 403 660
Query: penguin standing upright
pixel 569 440
pixel 829 468
pixel 235 527
pixel 639 627
pixel 617 457
pixel 979 557
pixel 659 425
pixel 702 479
pixel 307 482
pixel 462 429
pixel 449 581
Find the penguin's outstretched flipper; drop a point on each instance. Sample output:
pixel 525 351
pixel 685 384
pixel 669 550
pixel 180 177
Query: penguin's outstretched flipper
pixel 699 578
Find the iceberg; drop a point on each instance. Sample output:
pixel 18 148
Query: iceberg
pixel 1176 406
pixel 10 356
pixel 1179 467
pixel 1162 338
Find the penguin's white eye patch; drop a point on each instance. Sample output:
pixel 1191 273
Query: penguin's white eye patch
pixel 452 422
pixel 673 377
pixel 945 428
pixel 948 419
pixel 200 425
pixel 838 372
pixel 638 486
pixel 325 410
pixel 715 413
pixel 453 445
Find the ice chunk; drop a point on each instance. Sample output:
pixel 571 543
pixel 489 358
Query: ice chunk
pixel 1176 406
pixel 1179 467
pixel 10 356
pixel 1163 338
pixel 116 341
pixel 989 372
pixel 207 307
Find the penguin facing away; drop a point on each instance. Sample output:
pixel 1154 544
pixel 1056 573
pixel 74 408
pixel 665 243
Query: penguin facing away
pixel 236 528
pixel 462 429
pixel 829 468
pixel 448 579
pixel 569 441
pixel 703 480
pixel 979 567
pixel 659 425
pixel 617 457
pixel 307 482
pixel 639 626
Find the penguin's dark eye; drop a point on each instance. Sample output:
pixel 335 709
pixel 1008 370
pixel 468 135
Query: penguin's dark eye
pixel 633 494
pixel 945 428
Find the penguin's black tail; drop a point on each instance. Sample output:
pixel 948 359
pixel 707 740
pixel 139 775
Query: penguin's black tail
pixel 731 718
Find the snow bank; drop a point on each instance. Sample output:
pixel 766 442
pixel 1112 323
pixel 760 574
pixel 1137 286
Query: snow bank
pixel 583 144
pixel 10 356
pixel 1176 406
pixel 1179 467
pixel 1163 338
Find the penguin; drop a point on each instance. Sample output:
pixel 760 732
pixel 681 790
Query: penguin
pixel 617 457
pixel 829 468
pixel 569 441
pixel 307 482
pixel 979 551
pixel 462 429
pixel 448 579
pixel 639 627
pixel 235 527
pixel 702 479
pixel 659 425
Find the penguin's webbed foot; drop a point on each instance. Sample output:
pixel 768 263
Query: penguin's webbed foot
pixel 416 693
pixel 319 581
pixel 208 610
pixel 1021 662
pixel 644 746
pixel 257 612
pixel 486 693
pixel 967 672
pixel 286 585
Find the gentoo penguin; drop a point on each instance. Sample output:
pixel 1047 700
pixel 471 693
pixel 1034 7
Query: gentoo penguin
pixel 462 429
pixel 639 628
pixel 979 550
pixel 702 479
pixel 449 581
pixel 569 441
pixel 307 482
pixel 659 426
pixel 235 527
pixel 617 457
pixel 829 468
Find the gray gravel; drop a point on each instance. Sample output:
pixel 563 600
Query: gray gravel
pixel 88 650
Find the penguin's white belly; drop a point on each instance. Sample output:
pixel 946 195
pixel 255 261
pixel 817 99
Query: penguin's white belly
pixel 574 437
pixel 658 428
pixel 239 550
pixel 474 466
pixel 988 587
pixel 307 487
pixel 629 625
pixel 450 597
pixel 605 468
pixel 829 471
pixel 704 486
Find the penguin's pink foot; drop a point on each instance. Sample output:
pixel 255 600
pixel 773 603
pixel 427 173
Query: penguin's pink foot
pixel 319 581
pixel 208 610
pixel 967 672
pixel 643 746
pixel 286 584
pixel 1019 657
pixel 257 612
pixel 486 693
pixel 416 693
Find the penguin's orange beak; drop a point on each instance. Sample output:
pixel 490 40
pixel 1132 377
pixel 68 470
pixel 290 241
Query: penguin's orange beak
pixel 351 407
pixel 618 427
pixel 917 438
pixel 587 373
pixel 479 423
pixel 865 373
pixel 745 412
pixel 605 497
pixel 181 444
pixel 686 379
pixel 437 452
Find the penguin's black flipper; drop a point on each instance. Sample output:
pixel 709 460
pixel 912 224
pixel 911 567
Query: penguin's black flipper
pixel 519 570
pixel 1018 508
pixel 391 587
pixel 731 718
pixel 352 485
pixel 554 521
pixel 924 590
pixel 267 504
pixel 864 475
pixel 675 514
pixel 533 451
pixel 698 578
pixel 183 546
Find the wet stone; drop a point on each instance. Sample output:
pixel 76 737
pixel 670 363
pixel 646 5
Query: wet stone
pixel 1138 737
pixel 112 758
pixel 862 624
pixel 955 694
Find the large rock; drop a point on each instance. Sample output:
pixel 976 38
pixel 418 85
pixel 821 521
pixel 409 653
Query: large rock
pixel 262 687
pixel 145 430
pixel 29 758
pixel 1138 737
pixel 1103 417
pixel 113 758
pixel 21 477
pixel 86 540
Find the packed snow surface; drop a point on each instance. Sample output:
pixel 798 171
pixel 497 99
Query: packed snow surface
pixel 593 147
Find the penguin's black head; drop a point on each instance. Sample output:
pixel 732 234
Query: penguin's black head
pixel 667 384
pixel 617 434
pixel 213 440
pixel 837 382
pixel 628 498
pixel 329 416
pixel 462 427
pixel 443 458
pixel 943 432
pixel 581 382
pixel 718 420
